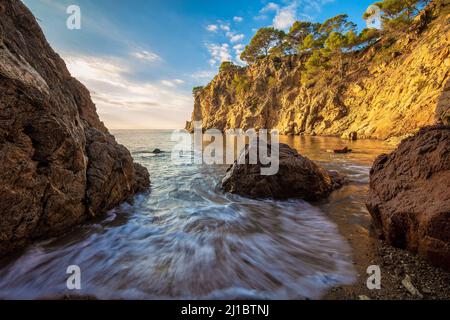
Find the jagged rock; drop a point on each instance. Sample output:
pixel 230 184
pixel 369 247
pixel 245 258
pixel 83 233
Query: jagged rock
pixel 58 164
pixel 298 177
pixel 409 196
pixel 353 136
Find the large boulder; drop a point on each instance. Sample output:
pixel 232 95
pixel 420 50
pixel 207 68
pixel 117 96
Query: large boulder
pixel 297 177
pixel 409 196
pixel 58 163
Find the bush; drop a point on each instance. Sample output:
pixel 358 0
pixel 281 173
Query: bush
pixel 196 90
pixel 241 84
pixel 227 66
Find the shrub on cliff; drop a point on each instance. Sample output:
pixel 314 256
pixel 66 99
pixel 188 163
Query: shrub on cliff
pixel 397 15
pixel 264 40
pixel 227 66
pixel 240 83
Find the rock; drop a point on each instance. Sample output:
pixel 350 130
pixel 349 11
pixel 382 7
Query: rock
pixel 353 136
pixel 443 106
pixel 407 283
pixel 157 151
pixel 298 177
pixel 363 297
pixel 59 166
pixel 409 197
pixel 343 150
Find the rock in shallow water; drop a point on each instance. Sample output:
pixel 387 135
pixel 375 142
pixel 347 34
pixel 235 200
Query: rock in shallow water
pixel 58 163
pixel 298 177
pixel 409 197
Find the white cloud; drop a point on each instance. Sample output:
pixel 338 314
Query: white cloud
pixel 219 53
pixel 225 27
pixel 238 19
pixel 238 49
pixel 285 16
pixel 271 6
pixel 204 75
pixel 235 37
pixel 146 55
pixel 172 83
pixel 212 28
pixel 123 103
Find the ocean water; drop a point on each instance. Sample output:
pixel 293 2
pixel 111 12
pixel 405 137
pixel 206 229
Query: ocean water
pixel 186 239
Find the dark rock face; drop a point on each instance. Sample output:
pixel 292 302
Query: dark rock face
pixel 298 177
pixel 58 164
pixel 409 197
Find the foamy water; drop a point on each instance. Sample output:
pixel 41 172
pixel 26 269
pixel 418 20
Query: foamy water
pixel 188 240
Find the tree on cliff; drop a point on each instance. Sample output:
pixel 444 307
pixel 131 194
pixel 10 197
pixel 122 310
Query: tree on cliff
pixel 299 31
pixel 264 40
pixel 339 24
pixel 398 15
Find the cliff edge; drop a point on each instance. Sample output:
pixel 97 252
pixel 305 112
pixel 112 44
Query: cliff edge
pixel 388 89
pixel 59 166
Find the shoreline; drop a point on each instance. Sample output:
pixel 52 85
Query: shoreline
pixel 397 265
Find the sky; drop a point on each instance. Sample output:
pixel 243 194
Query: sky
pixel 140 59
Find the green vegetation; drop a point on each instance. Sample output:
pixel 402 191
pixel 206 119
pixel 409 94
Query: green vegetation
pixel 325 46
pixel 240 83
pixel 262 43
pixel 196 90
pixel 227 66
pixel 399 14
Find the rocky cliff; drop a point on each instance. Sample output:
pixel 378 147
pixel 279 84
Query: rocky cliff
pixel 409 197
pixel 390 89
pixel 58 164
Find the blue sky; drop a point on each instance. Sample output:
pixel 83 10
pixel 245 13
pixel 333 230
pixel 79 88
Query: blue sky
pixel 141 58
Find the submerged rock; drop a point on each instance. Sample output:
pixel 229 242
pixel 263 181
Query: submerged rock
pixel 298 177
pixel 58 163
pixel 343 150
pixel 409 196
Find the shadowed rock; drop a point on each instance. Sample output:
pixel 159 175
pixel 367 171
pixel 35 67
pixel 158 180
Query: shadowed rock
pixel 298 177
pixel 409 196
pixel 58 163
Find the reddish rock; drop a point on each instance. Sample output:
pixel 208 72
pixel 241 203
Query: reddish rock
pixel 58 164
pixel 298 177
pixel 409 197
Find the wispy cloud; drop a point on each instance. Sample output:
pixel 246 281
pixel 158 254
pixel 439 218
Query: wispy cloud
pixel 203 75
pixel 287 12
pixel 238 19
pixel 219 53
pixel 212 28
pixel 125 103
pixel 146 56
pixel 286 16
pixel 235 37
pixel 225 27
pixel 172 83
